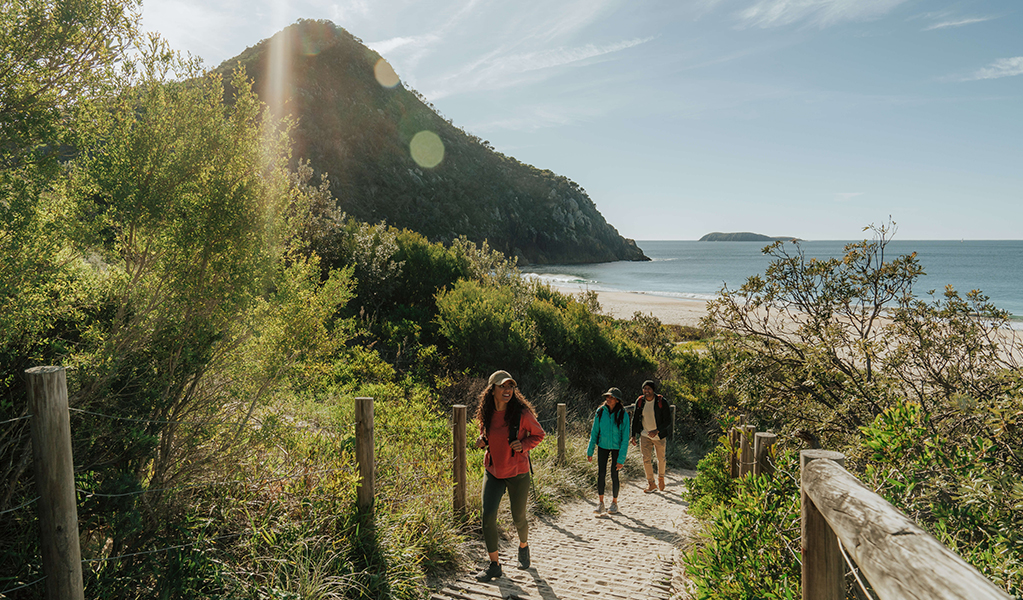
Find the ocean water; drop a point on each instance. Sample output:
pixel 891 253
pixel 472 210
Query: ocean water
pixel 698 270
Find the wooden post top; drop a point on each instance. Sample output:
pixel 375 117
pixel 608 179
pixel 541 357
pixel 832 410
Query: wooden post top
pixel 44 370
pixel 808 456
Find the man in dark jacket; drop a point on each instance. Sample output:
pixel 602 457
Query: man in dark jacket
pixel 651 426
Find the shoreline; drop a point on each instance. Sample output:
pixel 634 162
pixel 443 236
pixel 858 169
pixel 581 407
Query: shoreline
pixel 623 305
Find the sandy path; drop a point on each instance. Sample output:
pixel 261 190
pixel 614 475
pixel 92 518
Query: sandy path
pixel 577 556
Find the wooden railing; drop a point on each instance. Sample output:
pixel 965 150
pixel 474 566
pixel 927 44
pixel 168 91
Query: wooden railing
pixel 843 521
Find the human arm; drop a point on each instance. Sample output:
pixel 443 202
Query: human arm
pixel 594 434
pixel 534 433
pixel 623 445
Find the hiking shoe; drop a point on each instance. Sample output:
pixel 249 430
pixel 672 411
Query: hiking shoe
pixel 650 488
pixel 494 570
pixel 600 509
pixel 524 558
pixel 614 507
pixel 660 483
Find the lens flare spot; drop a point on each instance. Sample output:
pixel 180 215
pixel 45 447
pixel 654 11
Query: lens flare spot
pixel 427 149
pixel 310 46
pixel 385 74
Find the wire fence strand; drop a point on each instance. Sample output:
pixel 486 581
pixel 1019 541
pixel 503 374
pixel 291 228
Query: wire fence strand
pixel 855 571
pixel 19 507
pixel 259 480
pixel 16 419
pixel 157 550
pixel 21 587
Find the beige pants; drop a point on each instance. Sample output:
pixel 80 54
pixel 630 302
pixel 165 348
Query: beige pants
pixel 647 447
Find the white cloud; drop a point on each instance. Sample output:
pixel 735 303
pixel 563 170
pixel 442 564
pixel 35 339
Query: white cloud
pixel 957 23
pixel 820 13
pixel 497 70
pixel 1003 67
pixel 533 118
pixel 385 46
pixel 846 196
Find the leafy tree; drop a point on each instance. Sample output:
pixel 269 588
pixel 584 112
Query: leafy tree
pixel 827 344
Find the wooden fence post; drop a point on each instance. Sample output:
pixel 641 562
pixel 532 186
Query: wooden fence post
pixel 364 453
pixel 762 443
pixel 562 417
pixel 823 566
pixel 746 447
pixel 733 452
pixel 458 468
pixel 55 482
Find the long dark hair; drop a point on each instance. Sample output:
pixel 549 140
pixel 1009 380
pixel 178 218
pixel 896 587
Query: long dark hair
pixel 618 412
pixel 487 407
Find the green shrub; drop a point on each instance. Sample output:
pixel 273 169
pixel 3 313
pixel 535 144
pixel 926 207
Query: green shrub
pixel 749 546
pixel 964 490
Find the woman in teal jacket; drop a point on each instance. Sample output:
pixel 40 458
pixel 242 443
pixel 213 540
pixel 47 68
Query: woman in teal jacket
pixel 610 436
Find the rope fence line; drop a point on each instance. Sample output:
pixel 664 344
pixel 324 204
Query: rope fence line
pixel 20 506
pixel 21 587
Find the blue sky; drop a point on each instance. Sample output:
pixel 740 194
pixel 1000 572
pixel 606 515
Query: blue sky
pixel 809 118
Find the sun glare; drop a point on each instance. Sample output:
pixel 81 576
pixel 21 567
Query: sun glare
pixel 385 74
pixel 427 149
pixel 280 71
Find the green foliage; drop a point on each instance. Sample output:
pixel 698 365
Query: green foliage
pixel 484 327
pixel 749 546
pixel 827 345
pixel 510 327
pixel 964 490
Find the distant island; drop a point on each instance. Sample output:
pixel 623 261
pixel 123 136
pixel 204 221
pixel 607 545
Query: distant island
pixel 744 236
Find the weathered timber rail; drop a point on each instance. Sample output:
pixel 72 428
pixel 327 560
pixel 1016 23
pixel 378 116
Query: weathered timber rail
pixel 840 516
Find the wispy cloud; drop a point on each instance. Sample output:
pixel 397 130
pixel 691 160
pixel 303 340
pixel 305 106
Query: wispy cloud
pixel 498 70
pixel 1003 67
pixel 846 196
pixel 819 13
pixel 385 46
pixel 957 23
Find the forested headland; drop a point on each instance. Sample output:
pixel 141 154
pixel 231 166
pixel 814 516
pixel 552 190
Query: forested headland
pixel 218 311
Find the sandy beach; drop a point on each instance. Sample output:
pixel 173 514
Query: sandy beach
pixel 622 305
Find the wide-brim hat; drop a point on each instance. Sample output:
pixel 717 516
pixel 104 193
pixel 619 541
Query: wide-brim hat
pixel 500 377
pixel 617 393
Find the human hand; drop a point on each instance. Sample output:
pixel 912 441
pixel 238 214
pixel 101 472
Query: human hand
pixel 619 466
pixel 653 433
pixel 481 442
pixel 516 446
pixel 589 458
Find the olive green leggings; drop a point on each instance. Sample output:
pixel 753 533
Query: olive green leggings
pixel 518 495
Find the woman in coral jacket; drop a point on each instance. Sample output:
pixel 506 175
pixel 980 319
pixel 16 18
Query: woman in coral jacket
pixel 508 430
pixel 610 436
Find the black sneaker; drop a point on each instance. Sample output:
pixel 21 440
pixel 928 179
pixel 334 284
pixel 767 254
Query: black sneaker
pixel 494 570
pixel 524 558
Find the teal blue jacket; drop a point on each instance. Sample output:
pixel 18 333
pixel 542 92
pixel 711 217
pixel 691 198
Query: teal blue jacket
pixel 609 435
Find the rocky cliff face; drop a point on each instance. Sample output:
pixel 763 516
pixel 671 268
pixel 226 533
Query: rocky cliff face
pixel 359 132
